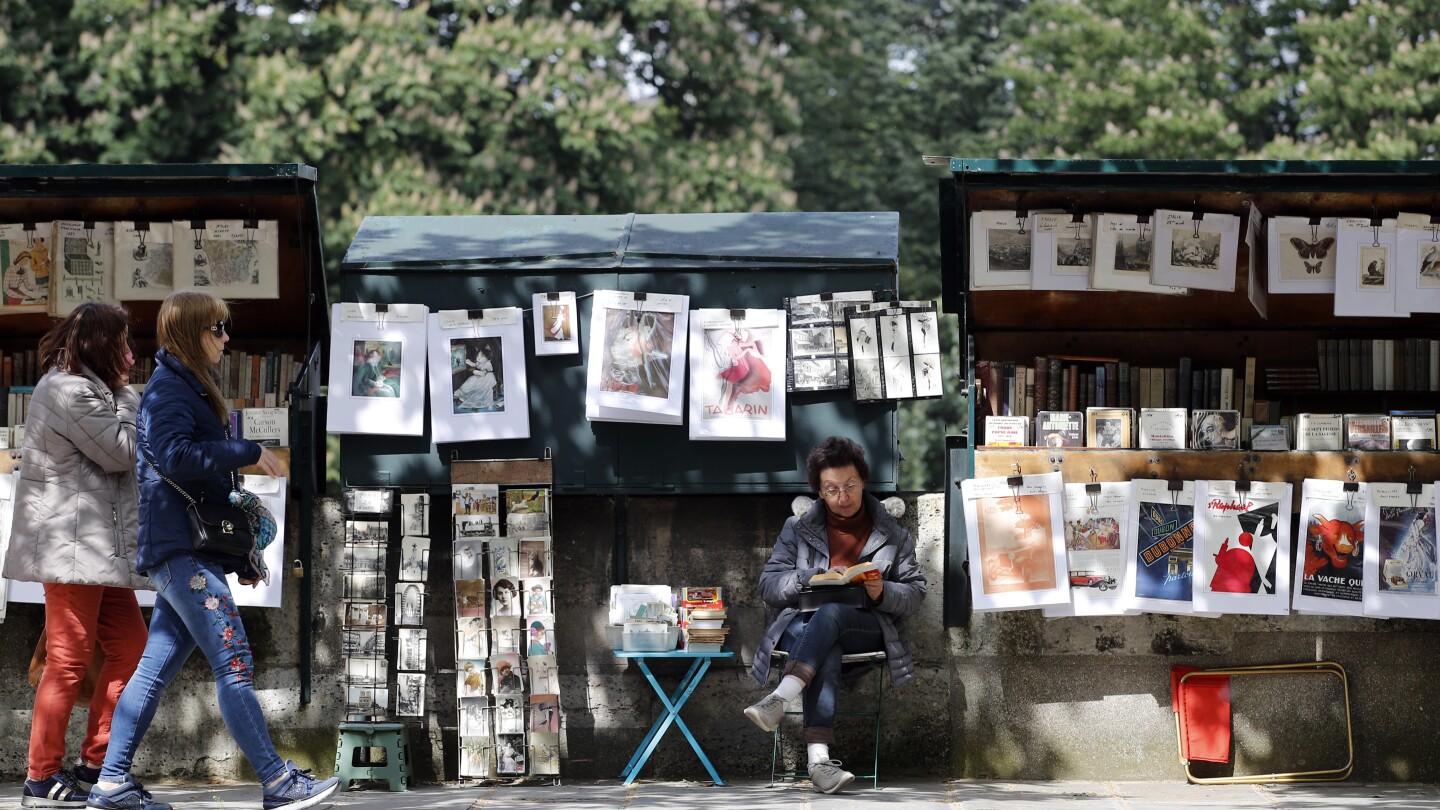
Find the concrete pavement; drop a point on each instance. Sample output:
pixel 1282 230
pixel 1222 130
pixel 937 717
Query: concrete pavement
pixel 752 795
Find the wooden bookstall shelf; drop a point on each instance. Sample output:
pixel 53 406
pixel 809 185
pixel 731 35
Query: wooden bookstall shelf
pixel 1214 329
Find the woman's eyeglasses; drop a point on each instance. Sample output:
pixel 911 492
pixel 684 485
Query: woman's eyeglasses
pixel 832 492
pixel 220 328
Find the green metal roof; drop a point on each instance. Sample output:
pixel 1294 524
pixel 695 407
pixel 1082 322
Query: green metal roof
pixel 1211 167
pixel 629 241
pixel 157 171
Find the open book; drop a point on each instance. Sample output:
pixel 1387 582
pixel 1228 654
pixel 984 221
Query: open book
pixel 858 572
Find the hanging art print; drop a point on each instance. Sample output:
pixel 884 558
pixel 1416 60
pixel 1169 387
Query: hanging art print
pixel 1301 253
pixel 556 320
pixel 636 364
pixel 377 382
pixel 83 266
pixel 1242 548
pixel 1417 264
pixel 1401 555
pixel 735 392
pixel 1195 250
pixel 144 261
pixel 1016 533
pixel 231 258
pixel 1159 572
pixel 1094 548
pixel 26 255
pixel 1330 565
pixel 478 389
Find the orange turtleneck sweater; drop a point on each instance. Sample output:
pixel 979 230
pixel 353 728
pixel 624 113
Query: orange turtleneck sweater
pixel 847 536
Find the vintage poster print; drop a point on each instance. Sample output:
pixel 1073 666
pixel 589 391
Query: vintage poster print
pixel 475 717
pixel 527 513
pixel 556 320
pixel 477 757
pixel 1401 553
pixel 510 756
pixel 470 678
pixel 1242 548
pixel 1159 571
pixel 472 500
pixel 1062 251
pixel 412 650
pixel 544 753
pixel 506 669
pixel 231 258
pixel 378 359
pixel 415 558
pixel 734 393
pixel 26 254
pixel 636 367
pixel 375 368
pixel 1017 542
pixel 410 603
pixel 477 375
pixel 1094 552
pixel 83 266
pixel 478 388
pixel 1329 566
pixel 545 713
pixel 409 694
pixel 1195 250
pixel 470 598
pixel 509 714
pixel 472 639
pixel 144 261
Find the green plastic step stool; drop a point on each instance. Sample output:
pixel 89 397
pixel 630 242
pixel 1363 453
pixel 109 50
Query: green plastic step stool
pixel 354 757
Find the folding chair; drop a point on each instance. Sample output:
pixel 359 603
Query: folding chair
pixel 1200 699
pixel 877 661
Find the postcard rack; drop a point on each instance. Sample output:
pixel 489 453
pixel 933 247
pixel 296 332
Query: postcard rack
pixel 366 614
pixel 507 685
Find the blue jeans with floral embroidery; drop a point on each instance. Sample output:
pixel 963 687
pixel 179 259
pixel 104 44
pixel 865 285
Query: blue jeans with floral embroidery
pixel 194 608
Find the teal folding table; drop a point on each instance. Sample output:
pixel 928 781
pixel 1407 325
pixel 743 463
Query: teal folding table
pixel 699 665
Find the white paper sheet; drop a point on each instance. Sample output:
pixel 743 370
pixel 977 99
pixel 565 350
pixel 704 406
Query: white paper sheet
pixel 84 263
pixel 556 322
pixel 1199 254
pixel 478 386
pixel 387 398
pixel 636 366
pixel 1095 549
pixel 1417 264
pixel 737 363
pixel 1124 254
pixel 1301 254
pixel 29 261
pixel 1062 252
pixel 1016 539
pixel 227 258
pixel 1364 269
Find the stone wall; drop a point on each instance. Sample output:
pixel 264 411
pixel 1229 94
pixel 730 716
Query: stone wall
pixel 1013 695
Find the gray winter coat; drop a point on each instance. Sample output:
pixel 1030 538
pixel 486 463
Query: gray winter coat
pixel 803 550
pixel 76 506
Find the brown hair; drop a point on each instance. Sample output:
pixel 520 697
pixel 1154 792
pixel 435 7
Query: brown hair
pixel 94 336
pixel 185 317
pixel 835 451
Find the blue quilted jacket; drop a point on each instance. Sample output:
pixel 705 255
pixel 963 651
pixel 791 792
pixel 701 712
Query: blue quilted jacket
pixel 179 433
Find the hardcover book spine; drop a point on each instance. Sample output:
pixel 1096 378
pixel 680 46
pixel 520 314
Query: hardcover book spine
pixel 1169 387
pixel 1042 384
pixel 1183 383
pixel 1056 389
pixel 1112 385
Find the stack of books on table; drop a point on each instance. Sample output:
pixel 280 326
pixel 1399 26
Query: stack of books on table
pixel 702 617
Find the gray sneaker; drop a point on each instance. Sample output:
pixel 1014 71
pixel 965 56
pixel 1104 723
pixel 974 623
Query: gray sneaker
pixel 829 777
pixel 767 713
pixel 298 790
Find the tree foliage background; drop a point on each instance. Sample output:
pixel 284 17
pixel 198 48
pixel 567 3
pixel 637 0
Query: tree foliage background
pixel 613 106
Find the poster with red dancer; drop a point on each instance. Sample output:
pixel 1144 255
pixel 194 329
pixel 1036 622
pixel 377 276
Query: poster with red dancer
pixel 737 374
pixel 1242 547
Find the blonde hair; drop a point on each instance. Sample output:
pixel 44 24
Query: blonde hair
pixel 185 317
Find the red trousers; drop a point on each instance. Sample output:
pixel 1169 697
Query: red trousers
pixel 77 617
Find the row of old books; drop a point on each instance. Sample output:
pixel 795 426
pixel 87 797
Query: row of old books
pixel 258 379
pixel 702 618
pixel 1211 429
pixel 1365 364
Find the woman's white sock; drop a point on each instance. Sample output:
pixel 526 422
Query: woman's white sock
pixel 817 752
pixel 790 687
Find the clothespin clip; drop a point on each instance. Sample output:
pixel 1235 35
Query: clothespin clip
pixel 1175 485
pixel 1015 482
pixel 1413 488
pixel 88 225
pixel 1022 216
pixel 1092 489
pixel 737 315
pixel 1143 220
pixel 382 310
pixel 552 296
pixel 29 228
pixel 827 296
pixel 1242 482
pixel 1196 217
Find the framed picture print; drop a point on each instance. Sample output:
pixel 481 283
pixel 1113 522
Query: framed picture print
pixel 1109 427
pixel 1016 535
pixel 144 261
pixel 1124 250
pixel 818 356
pixel 734 393
pixel 556 323
pixel 1242 548
pixel 1301 254
pixel 377 369
pixel 1196 250
pixel 231 258
pixel 1364 268
pixel 636 366
pixel 1330 562
pixel 478 388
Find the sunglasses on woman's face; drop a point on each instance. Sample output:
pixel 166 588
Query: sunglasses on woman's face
pixel 220 328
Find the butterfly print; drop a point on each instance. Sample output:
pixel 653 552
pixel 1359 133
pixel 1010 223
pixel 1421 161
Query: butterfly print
pixel 1313 250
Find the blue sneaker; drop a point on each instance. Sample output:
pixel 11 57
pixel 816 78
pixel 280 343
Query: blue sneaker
pixel 129 796
pixel 57 790
pixel 298 790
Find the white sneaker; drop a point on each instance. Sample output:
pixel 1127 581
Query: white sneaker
pixel 767 713
pixel 829 777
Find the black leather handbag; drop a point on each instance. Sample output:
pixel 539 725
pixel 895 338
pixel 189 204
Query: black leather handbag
pixel 220 531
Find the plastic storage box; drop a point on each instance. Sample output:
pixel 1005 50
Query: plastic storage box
pixel 650 637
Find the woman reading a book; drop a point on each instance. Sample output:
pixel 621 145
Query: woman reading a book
pixel 845 529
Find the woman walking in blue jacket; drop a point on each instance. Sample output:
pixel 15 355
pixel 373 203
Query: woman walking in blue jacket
pixel 183 435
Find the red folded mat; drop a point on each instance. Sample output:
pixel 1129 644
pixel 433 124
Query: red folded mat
pixel 1203 704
